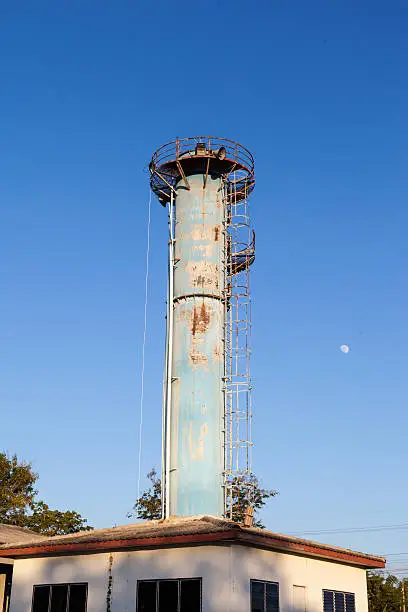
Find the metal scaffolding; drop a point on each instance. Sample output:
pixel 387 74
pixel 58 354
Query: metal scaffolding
pixel 240 254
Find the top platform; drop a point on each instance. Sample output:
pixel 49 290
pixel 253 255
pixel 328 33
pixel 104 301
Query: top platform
pixel 206 155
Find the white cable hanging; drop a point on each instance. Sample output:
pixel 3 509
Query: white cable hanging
pixel 144 346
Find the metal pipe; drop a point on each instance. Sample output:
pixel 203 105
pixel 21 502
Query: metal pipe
pixel 164 412
pixel 169 353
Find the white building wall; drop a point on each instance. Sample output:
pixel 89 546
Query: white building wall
pixel 226 572
pixel 289 571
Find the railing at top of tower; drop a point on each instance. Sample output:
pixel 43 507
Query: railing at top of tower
pixel 178 159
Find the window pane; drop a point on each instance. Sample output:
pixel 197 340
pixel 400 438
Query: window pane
pixel 257 596
pixel 41 598
pixel 350 602
pixel 272 597
pixel 59 595
pixel 77 597
pixel 168 596
pixel 339 602
pixel 190 596
pixel 146 596
pixel 328 601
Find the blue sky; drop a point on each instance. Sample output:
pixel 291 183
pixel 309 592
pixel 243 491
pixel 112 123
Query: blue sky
pixel 318 91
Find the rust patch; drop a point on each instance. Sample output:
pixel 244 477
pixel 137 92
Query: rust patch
pixel 198 359
pixel 181 314
pixel 201 319
pixel 219 200
pixel 203 274
pixel 216 233
pixel 217 352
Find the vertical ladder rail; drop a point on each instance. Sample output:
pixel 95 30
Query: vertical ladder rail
pixel 237 333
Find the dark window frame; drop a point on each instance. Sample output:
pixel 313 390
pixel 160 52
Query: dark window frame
pixel 6 570
pixel 59 584
pixel 334 592
pixel 264 582
pixel 178 580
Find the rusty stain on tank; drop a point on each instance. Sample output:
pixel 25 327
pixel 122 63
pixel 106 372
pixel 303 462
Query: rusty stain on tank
pixel 182 313
pixel 217 352
pixel 216 233
pixel 201 319
pixel 219 198
pixel 203 274
pixel 198 359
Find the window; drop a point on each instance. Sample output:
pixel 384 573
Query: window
pixel 337 601
pixel 60 597
pixel 183 595
pixel 6 574
pixel 264 596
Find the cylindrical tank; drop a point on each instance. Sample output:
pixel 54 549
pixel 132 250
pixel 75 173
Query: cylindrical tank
pixel 196 453
pixel 191 176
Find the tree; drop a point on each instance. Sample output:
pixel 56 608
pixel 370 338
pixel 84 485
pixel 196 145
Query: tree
pixel 384 592
pixel 148 506
pixel 19 506
pixel 259 498
pixel 54 522
pixel 17 491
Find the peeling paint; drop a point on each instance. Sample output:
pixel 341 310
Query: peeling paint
pixel 203 250
pixel 218 352
pixel 198 359
pixel 203 275
pixel 197 451
pixel 201 233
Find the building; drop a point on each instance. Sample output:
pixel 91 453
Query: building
pixel 197 564
pixel 9 534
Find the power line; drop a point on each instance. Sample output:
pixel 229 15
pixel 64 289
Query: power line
pixel 144 346
pixel 396 527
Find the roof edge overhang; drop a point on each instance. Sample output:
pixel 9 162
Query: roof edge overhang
pixel 324 553
pixel 232 536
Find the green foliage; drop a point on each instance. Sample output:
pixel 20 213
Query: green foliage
pixel 148 506
pixel 54 522
pixel 17 491
pixel 385 592
pixel 258 497
pixel 19 506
